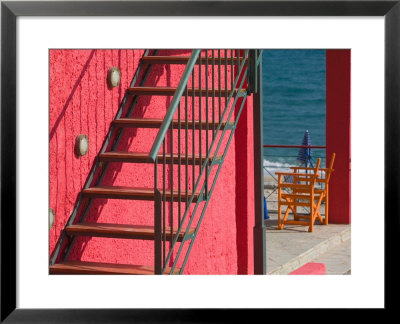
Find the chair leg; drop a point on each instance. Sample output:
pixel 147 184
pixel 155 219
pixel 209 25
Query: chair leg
pixel 312 217
pixel 314 213
pixel 291 207
pixel 322 220
pixel 318 214
pixel 286 215
pixel 311 227
pixel 317 207
pixel 281 223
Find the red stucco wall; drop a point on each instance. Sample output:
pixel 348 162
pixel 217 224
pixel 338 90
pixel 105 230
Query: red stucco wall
pixel 245 189
pixel 338 72
pixel 81 103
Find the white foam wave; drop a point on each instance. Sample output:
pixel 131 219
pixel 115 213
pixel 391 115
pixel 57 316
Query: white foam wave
pixel 271 167
pixel 276 166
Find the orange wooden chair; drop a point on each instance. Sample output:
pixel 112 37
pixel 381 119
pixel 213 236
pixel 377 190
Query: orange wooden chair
pixel 321 192
pixel 299 193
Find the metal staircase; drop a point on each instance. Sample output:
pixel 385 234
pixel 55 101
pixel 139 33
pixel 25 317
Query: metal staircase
pixel 187 156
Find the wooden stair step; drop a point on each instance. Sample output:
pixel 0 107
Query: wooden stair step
pixel 170 91
pixel 156 123
pixel 83 267
pixel 139 232
pixel 119 192
pixel 137 157
pixel 184 59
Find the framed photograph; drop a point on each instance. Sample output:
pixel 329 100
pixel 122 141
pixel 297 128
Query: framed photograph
pixel 32 31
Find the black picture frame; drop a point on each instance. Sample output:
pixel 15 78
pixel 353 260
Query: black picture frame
pixel 10 10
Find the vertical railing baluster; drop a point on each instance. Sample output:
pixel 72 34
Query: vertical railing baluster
pixel 172 180
pixel 213 92
pixel 226 77
pixel 207 157
pixel 200 126
pixel 231 68
pixel 164 232
pixel 186 148
pixel 157 224
pixel 238 61
pixel 179 165
pixel 193 129
pixel 219 86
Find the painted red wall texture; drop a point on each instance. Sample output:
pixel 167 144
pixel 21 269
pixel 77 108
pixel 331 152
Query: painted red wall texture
pixel 81 103
pixel 338 77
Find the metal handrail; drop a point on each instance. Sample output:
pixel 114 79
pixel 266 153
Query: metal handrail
pixel 220 105
pixel 218 171
pixel 204 168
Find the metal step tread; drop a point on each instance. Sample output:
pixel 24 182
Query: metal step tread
pixel 83 267
pixel 157 122
pixel 170 91
pixel 142 157
pixel 160 59
pixel 138 193
pixel 142 232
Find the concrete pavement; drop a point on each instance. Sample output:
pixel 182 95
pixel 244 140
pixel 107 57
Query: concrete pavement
pixel 294 246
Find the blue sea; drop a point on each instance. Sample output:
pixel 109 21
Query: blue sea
pixel 293 102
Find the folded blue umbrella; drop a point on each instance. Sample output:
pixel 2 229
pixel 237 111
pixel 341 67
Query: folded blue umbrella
pixel 304 155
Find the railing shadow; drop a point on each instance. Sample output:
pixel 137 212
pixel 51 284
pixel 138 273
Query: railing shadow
pixel 71 95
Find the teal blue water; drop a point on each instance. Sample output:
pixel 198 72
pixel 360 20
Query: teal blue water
pixel 293 102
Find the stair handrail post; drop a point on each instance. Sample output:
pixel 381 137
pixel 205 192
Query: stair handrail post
pixel 259 226
pixel 252 73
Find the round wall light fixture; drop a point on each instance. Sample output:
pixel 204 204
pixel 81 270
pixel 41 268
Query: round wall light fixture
pixel 81 145
pixel 113 77
pixel 51 218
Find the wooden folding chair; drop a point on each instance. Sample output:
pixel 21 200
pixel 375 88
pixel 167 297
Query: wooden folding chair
pixel 322 190
pixel 299 193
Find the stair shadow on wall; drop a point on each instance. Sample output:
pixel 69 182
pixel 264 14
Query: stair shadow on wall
pixel 114 169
